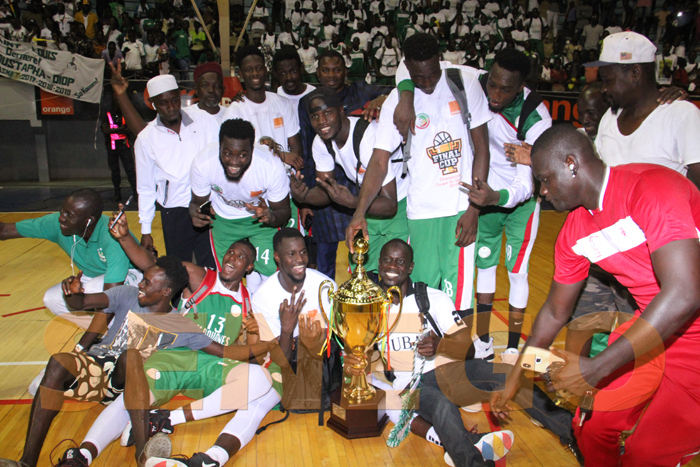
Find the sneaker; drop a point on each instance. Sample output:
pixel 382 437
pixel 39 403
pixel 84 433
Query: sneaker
pixel 573 448
pixel 73 458
pixel 493 446
pixel 510 356
pixel 536 423
pixel 483 350
pixel 158 422
pixel 474 408
pixel 158 446
pixel 200 459
pixel 36 382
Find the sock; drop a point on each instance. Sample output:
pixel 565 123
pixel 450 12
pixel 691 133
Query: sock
pixel 513 340
pixel 483 308
pixel 87 455
pixel 218 454
pixel 177 417
pixel 109 425
pixel 433 437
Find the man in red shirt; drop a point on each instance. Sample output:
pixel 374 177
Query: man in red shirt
pixel 640 223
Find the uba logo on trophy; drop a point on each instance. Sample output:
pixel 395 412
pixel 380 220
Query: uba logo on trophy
pixel 445 152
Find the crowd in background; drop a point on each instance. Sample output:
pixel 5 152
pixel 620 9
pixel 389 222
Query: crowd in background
pixel 165 36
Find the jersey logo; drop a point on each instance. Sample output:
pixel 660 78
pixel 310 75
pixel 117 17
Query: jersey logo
pixel 445 152
pixel 422 121
pixel 217 189
pixel 279 122
pixel 101 254
pixel 255 194
pixel 454 108
pixel 236 310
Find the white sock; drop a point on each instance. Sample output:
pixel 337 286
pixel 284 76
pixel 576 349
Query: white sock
pixel 109 425
pixel 218 454
pixel 177 417
pixel 244 424
pixel 87 455
pixel 433 437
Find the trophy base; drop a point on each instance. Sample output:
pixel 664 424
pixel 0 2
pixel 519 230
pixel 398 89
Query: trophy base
pixel 354 421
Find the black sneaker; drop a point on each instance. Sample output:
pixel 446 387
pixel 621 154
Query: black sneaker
pixel 200 459
pixel 576 451
pixel 158 422
pixel 73 458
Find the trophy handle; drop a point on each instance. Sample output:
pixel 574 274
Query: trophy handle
pixel 388 292
pixel 320 301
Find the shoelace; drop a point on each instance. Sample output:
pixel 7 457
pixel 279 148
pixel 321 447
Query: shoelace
pixel 68 462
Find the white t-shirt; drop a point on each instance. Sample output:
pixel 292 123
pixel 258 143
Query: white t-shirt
pixel 364 39
pixel 265 177
pixel 669 136
pixel 485 31
pixel 440 153
pixel 389 60
pixel 314 19
pixel 346 158
pixel 456 58
pixel 459 30
pixel 287 38
pixel 402 339
pixel 270 294
pixel 534 27
pixel 132 58
pixel 469 7
pixel 274 118
pixel 520 36
pixel 294 100
pixel 297 17
pixel 308 59
pixel 219 116
pixel 662 64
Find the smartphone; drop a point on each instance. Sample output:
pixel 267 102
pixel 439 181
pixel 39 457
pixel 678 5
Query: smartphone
pixel 206 209
pixel 538 360
pixel 121 212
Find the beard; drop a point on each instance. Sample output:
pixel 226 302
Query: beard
pixel 238 177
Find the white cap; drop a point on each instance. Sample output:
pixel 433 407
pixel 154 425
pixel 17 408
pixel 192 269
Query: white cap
pixel 625 47
pixel 161 84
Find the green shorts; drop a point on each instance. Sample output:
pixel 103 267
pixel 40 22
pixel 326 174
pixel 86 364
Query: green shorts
pixel 381 231
pixel 195 374
pixel 439 262
pixel 520 224
pixel 226 231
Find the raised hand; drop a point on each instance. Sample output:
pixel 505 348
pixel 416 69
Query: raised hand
pixel 119 83
pixel 261 212
pixel 298 187
pixel 337 192
pixel 289 311
pixel 121 227
pixel 518 154
pixel 309 331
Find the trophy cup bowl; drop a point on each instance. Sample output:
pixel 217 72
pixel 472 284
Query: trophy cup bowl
pixel 357 308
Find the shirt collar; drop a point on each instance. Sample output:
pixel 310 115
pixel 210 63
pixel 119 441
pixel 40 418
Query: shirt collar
pixel 603 189
pixel 186 119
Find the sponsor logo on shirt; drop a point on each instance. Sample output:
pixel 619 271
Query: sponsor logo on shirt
pixel 454 108
pixel 445 152
pixel 279 122
pixel 422 121
pixel 255 194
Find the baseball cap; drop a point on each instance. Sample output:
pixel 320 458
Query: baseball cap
pixel 625 48
pixel 329 97
pixel 161 84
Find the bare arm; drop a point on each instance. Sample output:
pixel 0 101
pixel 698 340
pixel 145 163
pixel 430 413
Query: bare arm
pixel 468 223
pixel 119 86
pixel 371 185
pixel 694 174
pixel 315 196
pixel 137 254
pixel 8 231
pixel 98 327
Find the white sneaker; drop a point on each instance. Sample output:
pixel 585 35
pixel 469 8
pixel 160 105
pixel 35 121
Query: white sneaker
pixel 493 446
pixel 474 408
pixel 483 350
pixel 34 385
pixel 510 356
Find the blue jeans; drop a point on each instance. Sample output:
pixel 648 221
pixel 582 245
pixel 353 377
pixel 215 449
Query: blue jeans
pixel 440 404
pixel 325 258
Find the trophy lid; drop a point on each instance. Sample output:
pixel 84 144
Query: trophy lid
pixel 360 289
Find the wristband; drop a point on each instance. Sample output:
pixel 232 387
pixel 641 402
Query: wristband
pixel 79 348
pixel 406 85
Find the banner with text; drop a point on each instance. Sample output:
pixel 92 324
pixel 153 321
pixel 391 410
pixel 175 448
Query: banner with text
pixel 57 72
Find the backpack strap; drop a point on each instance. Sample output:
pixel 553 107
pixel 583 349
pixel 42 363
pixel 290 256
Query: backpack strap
pixel 358 133
pixel 201 292
pixel 456 85
pixel 423 303
pixel 530 105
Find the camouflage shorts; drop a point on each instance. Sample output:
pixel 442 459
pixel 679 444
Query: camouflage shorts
pixel 601 293
pixel 94 380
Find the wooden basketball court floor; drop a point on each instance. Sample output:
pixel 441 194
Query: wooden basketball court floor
pixel 30 334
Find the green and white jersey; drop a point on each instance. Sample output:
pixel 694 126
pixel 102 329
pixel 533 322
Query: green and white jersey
pixel 515 183
pixel 221 312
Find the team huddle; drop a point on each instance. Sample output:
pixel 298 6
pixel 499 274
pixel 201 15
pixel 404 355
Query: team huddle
pixel 432 174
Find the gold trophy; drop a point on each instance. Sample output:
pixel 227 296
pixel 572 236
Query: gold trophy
pixel 359 316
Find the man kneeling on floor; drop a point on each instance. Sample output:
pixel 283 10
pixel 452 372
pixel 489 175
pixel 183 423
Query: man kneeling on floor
pixel 99 371
pixel 430 329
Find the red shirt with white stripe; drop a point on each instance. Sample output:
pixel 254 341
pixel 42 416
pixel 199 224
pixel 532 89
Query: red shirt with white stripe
pixel 642 207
